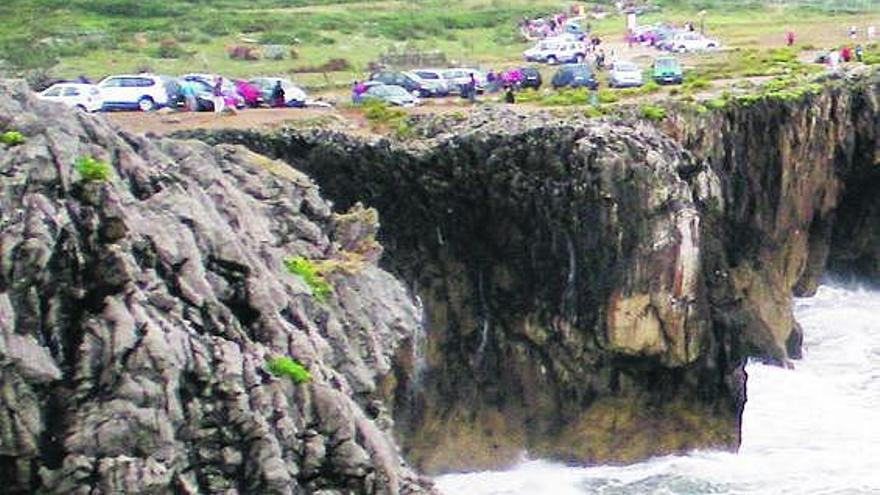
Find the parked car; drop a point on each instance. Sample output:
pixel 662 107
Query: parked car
pixel 663 35
pixel 432 80
pixel 574 76
pixel 531 78
pixel 666 70
pixel 205 82
pixel 554 51
pixel 252 95
pixel 624 74
pixel 294 96
pixel 85 97
pixel 390 94
pixel 406 81
pixel 691 42
pixel 461 76
pixel 144 92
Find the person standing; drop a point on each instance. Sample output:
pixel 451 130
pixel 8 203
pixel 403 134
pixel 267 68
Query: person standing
pixel 860 53
pixel 509 97
pixel 472 89
pixel 789 38
pixel 188 91
pixel 217 93
pixel 278 97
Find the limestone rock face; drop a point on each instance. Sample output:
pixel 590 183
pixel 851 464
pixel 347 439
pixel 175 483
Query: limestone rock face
pixel 592 289
pixel 560 269
pixel 137 316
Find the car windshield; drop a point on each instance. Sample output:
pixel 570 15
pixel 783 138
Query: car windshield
pixel 626 67
pixel 427 75
pixel 666 63
pixel 579 71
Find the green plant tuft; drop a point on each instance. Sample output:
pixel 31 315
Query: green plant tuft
pixel 652 112
pixel 307 270
pixel 381 115
pixel 92 170
pixel 12 138
pixel 283 366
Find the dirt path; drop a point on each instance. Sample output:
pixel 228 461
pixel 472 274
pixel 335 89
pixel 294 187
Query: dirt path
pixel 342 117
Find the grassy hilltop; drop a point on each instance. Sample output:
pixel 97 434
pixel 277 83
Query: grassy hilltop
pixel 99 37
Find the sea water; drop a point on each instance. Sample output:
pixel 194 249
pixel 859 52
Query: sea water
pixel 811 430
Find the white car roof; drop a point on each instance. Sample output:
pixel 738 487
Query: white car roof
pixel 150 76
pixel 71 85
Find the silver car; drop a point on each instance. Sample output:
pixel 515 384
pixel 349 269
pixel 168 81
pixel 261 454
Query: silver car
pixel 624 74
pixel 392 95
pixel 432 80
pixel 461 76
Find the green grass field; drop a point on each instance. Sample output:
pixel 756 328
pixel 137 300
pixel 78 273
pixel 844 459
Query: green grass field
pixel 99 37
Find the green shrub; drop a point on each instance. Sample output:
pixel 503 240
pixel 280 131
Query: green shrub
pixel 92 170
pixel 716 103
pixel 652 112
pixel 607 96
pixel 283 366
pixel 592 112
pixel 381 115
pixel 12 138
pixel 307 270
pixel 697 84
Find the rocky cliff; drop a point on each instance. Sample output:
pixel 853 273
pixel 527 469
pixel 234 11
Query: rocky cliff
pixel 143 297
pixel 592 289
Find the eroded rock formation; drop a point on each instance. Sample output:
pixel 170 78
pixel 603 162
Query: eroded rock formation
pixel 592 288
pixel 137 316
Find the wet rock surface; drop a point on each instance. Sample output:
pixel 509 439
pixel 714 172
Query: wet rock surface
pixel 592 288
pixel 138 314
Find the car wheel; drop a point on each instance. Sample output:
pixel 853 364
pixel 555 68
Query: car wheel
pixel 146 104
pixel 681 49
pixel 552 60
pixel 711 46
pixel 579 58
pixel 81 108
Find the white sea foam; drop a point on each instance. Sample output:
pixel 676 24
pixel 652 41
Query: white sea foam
pixel 811 430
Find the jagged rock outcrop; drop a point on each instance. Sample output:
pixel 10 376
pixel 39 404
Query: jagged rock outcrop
pixel 593 288
pixel 137 316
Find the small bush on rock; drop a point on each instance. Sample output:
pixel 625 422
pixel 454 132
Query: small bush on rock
pixel 309 273
pixel 92 170
pixel 12 138
pixel 652 112
pixel 283 366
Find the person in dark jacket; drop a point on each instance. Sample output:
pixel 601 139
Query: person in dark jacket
pixel 278 97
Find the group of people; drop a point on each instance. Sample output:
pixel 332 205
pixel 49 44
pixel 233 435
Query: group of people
pixel 845 54
pixel 222 101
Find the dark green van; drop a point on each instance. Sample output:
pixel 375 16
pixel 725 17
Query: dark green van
pixel 667 70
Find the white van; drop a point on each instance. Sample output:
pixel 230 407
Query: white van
pixel 692 42
pixel 557 50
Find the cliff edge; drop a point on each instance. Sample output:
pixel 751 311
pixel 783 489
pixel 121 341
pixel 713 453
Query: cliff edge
pixel 144 299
